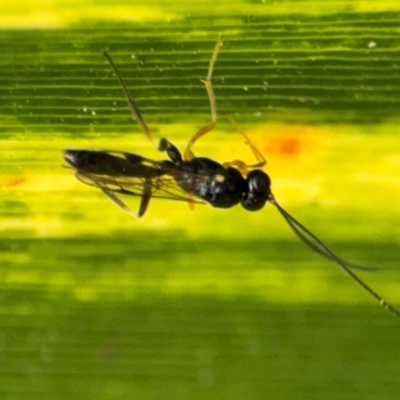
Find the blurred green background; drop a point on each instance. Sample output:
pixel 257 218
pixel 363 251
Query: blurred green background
pixel 203 304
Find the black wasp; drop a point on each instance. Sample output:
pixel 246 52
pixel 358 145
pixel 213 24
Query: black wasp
pixel 192 179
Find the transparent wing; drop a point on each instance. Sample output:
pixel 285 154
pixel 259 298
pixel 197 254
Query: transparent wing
pixel 318 246
pixel 162 187
pixel 136 176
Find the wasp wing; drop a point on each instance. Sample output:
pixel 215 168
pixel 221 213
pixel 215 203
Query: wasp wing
pixel 131 174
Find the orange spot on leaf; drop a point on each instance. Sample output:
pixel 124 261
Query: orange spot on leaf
pixel 12 182
pixel 291 142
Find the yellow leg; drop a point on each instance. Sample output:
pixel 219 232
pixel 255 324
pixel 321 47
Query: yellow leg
pixel 188 154
pixel 239 165
pixel 261 161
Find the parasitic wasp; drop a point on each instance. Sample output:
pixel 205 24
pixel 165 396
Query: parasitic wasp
pixel 185 177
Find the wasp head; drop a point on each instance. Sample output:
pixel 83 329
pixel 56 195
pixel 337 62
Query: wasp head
pixel 258 190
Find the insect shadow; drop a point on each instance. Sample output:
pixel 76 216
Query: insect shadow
pixel 185 177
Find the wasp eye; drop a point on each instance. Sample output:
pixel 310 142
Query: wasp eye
pixel 259 182
pixel 258 190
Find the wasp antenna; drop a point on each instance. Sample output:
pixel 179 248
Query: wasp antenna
pixel 319 247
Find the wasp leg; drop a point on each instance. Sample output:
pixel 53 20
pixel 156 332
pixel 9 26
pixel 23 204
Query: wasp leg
pixel 261 161
pixel 188 154
pixel 190 200
pixel 145 200
pixel 144 203
pixel 115 199
pixel 239 165
pixel 131 101
pixel 171 150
